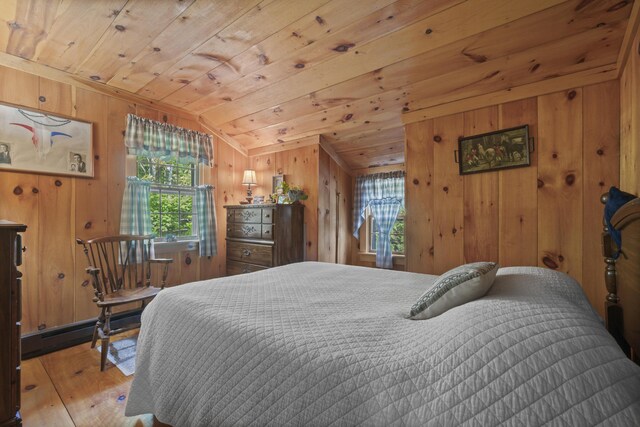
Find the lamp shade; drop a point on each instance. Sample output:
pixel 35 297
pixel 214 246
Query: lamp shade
pixel 249 177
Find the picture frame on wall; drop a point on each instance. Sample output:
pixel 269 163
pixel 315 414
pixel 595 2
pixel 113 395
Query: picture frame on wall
pixel 276 182
pixel 503 149
pixel 40 142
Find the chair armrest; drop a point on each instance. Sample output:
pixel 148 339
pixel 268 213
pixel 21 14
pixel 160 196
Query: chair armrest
pixel 161 261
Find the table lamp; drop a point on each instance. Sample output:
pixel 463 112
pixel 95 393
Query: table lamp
pixel 249 179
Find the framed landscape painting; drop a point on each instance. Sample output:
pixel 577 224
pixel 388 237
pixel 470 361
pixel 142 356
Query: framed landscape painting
pixel 503 149
pixel 34 141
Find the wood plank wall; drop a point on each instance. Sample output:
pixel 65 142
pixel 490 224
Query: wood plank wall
pixel 630 121
pixel 311 168
pixel 547 214
pixel 58 209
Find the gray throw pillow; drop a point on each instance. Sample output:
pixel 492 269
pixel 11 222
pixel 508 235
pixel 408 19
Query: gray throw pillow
pixel 455 287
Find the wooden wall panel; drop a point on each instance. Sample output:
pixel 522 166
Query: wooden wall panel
pixel 57 209
pixel 560 199
pixel 518 193
pixel 344 225
pixel 419 197
pixel 547 214
pixel 91 211
pixel 601 168
pixel 326 209
pixel 56 251
pixel 448 204
pixel 630 121
pixel 481 196
pixel 300 165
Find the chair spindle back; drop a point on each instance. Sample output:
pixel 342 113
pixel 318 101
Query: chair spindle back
pixel 122 261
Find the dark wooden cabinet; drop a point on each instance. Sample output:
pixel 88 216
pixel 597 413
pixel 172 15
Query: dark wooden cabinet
pixel 263 236
pixel 10 317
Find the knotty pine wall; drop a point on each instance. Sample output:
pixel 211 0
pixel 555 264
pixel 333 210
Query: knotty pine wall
pixel 630 121
pixel 547 214
pixel 311 168
pixel 59 209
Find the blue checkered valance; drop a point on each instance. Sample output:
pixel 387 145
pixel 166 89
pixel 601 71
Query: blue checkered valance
pixel 149 138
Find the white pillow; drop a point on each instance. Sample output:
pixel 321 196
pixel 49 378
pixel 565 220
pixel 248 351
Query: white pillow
pixel 454 288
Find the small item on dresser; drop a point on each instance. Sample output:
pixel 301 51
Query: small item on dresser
pixel 258 200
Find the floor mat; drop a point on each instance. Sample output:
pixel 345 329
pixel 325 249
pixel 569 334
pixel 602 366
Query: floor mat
pixel 122 353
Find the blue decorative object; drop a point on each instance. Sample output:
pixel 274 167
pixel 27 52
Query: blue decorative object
pixel 617 198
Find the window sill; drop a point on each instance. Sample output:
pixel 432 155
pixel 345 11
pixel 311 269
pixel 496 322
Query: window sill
pixel 179 246
pixel 398 259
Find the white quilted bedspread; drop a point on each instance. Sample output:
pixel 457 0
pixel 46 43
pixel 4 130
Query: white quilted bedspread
pixel 322 344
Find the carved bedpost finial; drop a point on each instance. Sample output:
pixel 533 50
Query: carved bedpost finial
pixel 604 199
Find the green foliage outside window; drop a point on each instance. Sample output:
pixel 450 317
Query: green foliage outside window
pixel 396 236
pixel 171 199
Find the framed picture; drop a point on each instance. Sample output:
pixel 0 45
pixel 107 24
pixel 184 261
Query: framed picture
pixel 39 142
pixel 277 180
pixel 503 149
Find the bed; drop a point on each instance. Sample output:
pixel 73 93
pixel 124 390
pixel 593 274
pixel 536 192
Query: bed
pixel 324 344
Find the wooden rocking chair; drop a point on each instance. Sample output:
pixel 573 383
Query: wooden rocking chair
pixel 120 270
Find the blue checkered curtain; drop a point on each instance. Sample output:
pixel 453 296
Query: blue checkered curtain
pixel 206 218
pixel 149 138
pixel 384 212
pixel 135 218
pixel 383 193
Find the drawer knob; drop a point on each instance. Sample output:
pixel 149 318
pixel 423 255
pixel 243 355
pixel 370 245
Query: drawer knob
pixel 267 231
pixel 267 216
pixel 246 252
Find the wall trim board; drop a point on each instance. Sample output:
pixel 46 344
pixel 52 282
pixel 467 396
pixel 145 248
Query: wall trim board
pixel 284 146
pixel 544 87
pixel 21 64
pixel 54 339
pixel 223 136
pixel 379 169
pixel 629 36
pixel 335 156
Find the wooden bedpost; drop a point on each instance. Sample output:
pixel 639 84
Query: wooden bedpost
pixel 612 310
pixel 607 253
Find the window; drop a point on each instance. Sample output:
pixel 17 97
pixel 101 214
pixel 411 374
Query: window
pixel 171 198
pixel 396 236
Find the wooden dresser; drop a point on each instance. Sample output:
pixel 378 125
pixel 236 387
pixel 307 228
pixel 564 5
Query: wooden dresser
pixel 10 316
pixel 263 236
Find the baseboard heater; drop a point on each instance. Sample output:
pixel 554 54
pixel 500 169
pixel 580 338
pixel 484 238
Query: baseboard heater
pixel 50 340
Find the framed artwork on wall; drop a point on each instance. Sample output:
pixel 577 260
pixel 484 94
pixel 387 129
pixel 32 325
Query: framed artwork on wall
pixel 39 142
pixel 277 181
pixel 503 149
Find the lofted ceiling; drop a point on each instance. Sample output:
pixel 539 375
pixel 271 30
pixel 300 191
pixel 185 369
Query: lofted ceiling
pixel 265 72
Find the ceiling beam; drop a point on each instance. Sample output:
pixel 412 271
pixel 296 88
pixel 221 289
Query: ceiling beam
pixel 584 78
pixel 629 36
pixel 335 156
pixel 223 136
pixel 21 64
pixel 284 146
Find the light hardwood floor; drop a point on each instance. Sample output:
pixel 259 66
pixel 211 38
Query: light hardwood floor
pixel 66 388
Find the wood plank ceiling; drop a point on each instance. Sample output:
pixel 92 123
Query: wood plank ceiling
pixel 270 71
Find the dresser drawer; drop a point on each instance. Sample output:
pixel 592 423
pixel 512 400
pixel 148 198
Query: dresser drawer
pixel 234 267
pixel 267 215
pixel 248 231
pixel 251 253
pixel 249 215
pixel 267 232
